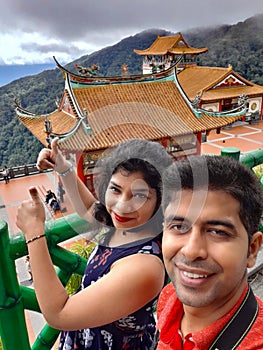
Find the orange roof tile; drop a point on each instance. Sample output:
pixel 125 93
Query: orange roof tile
pixel 169 44
pixel 232 92
pixel 201 80
pixel 194 79
pixel 60 121
pixel 122 111
pixel 187 50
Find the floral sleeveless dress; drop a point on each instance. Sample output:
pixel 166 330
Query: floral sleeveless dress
pixel 134 332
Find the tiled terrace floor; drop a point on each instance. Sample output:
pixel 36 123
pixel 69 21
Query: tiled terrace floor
pixel 246 137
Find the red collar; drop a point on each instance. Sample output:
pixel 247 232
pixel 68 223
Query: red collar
pixel 170 312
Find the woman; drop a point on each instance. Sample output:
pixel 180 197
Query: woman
pixel 124 275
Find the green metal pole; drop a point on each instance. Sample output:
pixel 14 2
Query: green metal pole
pixel 46 339
pixel 13 329
pixel 14 298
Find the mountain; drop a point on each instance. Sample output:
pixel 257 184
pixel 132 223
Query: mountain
pixel 240 45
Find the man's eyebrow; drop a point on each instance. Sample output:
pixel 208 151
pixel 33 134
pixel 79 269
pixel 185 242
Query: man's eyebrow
pixel 171 218
pixel 225 223
pixel 216 222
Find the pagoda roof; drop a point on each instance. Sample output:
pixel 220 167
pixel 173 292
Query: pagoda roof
pixel 215 83
pixel 153 110
pixel 170 45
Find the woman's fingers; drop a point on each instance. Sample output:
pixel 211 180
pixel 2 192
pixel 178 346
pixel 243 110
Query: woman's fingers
pixel 34 195
pixel 47 157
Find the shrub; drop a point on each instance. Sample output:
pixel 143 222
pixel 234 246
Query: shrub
pixel 82 249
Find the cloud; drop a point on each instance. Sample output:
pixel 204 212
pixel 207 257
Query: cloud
pixel 51 48
pixel 84 26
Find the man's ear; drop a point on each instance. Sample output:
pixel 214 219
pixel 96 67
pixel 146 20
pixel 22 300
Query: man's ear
pixel 254 247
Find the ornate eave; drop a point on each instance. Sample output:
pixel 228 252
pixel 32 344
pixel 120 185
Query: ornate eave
pixel 62 123
pixel 80 80
pixel 208 83
pixel 170 45
pixel 187 51
pixel 194 104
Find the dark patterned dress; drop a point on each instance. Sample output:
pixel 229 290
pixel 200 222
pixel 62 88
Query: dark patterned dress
pixel 134 332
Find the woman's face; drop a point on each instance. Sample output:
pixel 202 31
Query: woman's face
pixel 129 199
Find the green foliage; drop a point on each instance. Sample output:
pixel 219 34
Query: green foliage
pixel 36 93
pixel 84 251
pixel 258 170
pixel 240 45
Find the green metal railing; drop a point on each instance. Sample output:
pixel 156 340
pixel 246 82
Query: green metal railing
pixel 15 298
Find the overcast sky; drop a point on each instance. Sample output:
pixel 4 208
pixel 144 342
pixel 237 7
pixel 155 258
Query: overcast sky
pixel 32 31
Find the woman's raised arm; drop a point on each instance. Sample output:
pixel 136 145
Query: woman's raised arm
pixel 81 198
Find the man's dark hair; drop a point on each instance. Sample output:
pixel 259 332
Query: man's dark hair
pixel 217 173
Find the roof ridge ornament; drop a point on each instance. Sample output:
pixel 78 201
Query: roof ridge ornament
pixel 85 122
pixel 242 99
pixel 87 71
pixel 196 101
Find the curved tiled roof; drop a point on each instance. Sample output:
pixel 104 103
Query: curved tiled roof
pixel 233 92
pixel 60 121
pixel 201 80
pixel 117 112
pixel 170 44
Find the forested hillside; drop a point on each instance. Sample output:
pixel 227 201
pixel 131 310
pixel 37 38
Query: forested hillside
pixel 240 45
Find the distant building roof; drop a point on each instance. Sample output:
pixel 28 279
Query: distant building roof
pixel 213 83
pixel 175 45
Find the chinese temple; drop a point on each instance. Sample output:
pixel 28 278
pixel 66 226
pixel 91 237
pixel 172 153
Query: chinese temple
pixel 165 51
pixel 97 113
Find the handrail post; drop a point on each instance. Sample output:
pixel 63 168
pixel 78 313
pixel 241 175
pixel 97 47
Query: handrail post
pixel 14 298
pixel 13 329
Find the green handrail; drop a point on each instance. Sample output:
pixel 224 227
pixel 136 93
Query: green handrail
pixel 15 298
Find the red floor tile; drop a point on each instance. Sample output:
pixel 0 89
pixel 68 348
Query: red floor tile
pixel 208 148
pixel 246 137
pixel 242 144
pixel 13 193
pixel 17 189
pixel 255 137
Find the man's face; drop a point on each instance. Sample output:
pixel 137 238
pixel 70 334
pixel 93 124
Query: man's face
pixel 206 249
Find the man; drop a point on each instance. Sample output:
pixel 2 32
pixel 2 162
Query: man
pixel 5 174
pixel 212 209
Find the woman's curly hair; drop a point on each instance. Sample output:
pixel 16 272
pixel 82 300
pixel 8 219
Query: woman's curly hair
pixel 149 158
